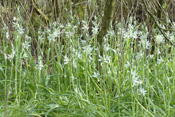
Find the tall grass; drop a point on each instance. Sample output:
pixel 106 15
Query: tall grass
pixel 59 76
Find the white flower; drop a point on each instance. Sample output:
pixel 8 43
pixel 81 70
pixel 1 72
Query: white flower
pixel 95 30
pixel 85 26
pixel 83 42
pixel 105 58
pixel 7 35
pixel 106 47
pixel 111 33
pixel 68 25
pixel 51 35
pixel 51 38
pixel 134 73
pixel 134 35
pixel 26 45
pixel 126 35
pixel 75 27
pixel 135 81
pixel 142 91
pixel 66 60
pixel 69 34
pixel 139 55
pixel 40 65
pixel 88 49
pixel 127 64
pixel 61 26
pixel 28 38
pixel 135 78
pixel 158 51
pixel 56 33
pixel 19 28
pixel 172 37
pixel 78 54
pixel 151 56
pixel 12 55
pixel 145 43
pixel 74 63
pixel 41 38
pixel 159 61
pixel 96 75
pixel 143 36
pixel 25 55
pixel 14 18
pixel 159 39
pixel 140 82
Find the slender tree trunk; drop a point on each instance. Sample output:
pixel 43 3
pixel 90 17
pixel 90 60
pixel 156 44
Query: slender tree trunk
pixel 159 15
pixel 106 19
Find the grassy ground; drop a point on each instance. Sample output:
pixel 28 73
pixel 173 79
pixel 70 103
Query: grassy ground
pixel 62 80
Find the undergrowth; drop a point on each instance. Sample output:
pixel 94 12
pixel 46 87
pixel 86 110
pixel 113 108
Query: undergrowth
pixel 60 77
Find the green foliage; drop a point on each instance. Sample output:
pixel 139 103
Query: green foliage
pixel 59 77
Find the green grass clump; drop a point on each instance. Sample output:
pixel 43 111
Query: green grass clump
pixel 59 77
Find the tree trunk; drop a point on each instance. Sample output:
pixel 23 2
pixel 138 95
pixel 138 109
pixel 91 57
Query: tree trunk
pixel 106 19
pixel 159 15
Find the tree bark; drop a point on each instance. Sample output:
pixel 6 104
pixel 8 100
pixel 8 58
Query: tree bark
pixel 106 19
